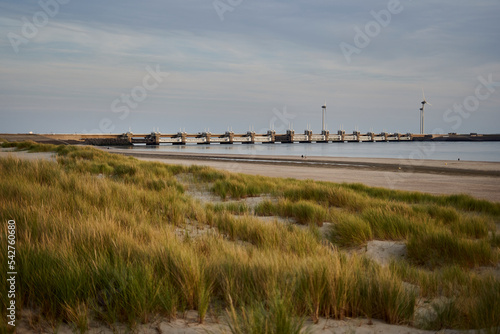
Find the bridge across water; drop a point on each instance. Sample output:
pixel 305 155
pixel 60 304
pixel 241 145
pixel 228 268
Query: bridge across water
pixel 271 137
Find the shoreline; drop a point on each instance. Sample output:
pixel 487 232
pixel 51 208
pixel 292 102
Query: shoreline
pixel 438 177
pixel 478 179
pixel 461 167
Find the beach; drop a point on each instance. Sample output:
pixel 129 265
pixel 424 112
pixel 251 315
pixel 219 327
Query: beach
pixel 439 177
pixel 192 199
pixel 478 179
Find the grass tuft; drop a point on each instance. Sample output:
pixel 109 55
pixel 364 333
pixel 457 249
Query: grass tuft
pixel 304 212
pixel 443 248
pixel 350 231
pixel 275 318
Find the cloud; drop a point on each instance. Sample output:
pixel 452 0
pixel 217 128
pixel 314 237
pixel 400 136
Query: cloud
pixel 265 54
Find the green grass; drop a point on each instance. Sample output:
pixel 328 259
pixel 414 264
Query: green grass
pixel 30 146
pixel 275 318
pixel 96 240
pixel 304 212
pixel 350 231
pixel 460 299
pixel 325 193
pixel 234 208
pixel 236 186
pixel 461 202
pixel 388 224
pixel 445 248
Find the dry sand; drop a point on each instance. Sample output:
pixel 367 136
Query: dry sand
pixel 478 179
pixel 188 324
pixel 6 152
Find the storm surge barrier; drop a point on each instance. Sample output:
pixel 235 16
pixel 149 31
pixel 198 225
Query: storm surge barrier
pixel 250 137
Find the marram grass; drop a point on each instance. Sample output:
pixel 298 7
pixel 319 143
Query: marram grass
pixel 97 239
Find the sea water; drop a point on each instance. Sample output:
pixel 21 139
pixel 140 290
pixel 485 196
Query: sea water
pixel 469 151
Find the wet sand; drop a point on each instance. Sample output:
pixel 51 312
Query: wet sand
pixel 478 179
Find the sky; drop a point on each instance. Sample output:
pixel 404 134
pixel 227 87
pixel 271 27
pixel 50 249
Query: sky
pixel 69 66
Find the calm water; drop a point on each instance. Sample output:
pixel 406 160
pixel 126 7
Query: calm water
pixel 473 151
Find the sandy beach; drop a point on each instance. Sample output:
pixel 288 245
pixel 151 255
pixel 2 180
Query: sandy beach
pixel 475 178
pixel 478 179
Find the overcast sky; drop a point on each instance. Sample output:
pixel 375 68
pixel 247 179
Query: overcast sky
pixel 109 66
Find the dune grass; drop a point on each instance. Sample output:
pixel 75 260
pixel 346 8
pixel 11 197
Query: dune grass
pixel 350 231
pixel 445 248
pixel 465 299
pixel 234 208
pixel 272 319
pixel 461 202
pixel 97 239
pixel 29 145
pixel 304 212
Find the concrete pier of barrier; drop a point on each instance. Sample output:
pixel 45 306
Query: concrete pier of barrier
pixel 250 137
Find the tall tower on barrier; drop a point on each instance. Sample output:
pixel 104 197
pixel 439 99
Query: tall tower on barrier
pixel 424 102
pixel 324 116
